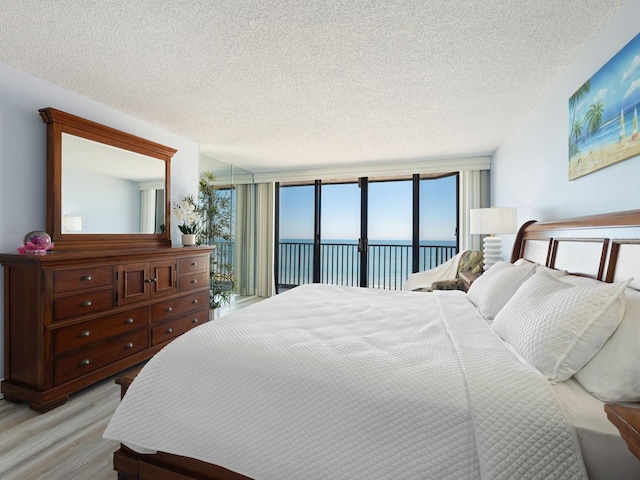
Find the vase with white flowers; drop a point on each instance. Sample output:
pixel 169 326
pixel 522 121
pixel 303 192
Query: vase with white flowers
pixel 187 212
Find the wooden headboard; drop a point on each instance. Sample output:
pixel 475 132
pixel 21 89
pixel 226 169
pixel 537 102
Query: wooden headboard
pixel 605 247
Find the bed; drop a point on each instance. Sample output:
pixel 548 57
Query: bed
pixel 338 382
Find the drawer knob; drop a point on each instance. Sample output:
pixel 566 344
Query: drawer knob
pixel 194 264
pixel 84 333
pixel 194 281
pixel 194 301
pixel 195 320
pixel 169 330
pixel 86 303
pixel 128 345
pixel 128 321
pixel 86 278
pixel 151 280
pixel 168 309
pixel 84 363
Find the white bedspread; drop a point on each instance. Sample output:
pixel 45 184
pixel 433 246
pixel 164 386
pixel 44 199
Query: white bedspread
pixel 345 383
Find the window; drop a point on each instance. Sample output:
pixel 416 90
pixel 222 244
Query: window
pixel 369 232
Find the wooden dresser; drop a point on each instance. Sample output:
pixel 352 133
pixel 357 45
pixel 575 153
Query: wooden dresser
pixel 75 318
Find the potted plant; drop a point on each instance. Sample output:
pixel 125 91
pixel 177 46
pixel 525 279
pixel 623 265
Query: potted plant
pixel 187 212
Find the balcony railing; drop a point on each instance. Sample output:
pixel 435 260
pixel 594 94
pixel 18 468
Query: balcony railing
pixel 389 265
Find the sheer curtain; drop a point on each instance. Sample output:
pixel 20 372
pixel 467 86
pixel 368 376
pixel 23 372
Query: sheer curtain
pixel 147 211
pixel 265 217
pixel 245 239
pixel 254 239
pixel 474 193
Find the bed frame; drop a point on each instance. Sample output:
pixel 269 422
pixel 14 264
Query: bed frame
pixel 605 247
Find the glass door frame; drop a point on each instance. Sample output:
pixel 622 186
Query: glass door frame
pixel 363 241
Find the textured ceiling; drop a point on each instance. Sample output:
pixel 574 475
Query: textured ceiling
pixel 288 84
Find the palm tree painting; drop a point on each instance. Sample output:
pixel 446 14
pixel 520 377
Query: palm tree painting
pixel 602 110
pixel 593 117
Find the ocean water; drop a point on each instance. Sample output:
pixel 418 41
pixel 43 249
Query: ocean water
pixel 389 261
pixel 609 131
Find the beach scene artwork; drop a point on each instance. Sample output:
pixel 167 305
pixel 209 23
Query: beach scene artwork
pixel 603 114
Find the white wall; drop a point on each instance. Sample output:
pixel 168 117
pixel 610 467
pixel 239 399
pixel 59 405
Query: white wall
pixel 530 169
pixel 23 156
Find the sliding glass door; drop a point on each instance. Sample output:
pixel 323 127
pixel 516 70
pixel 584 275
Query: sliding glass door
pixel 339 234
pixel 390 229
pixel 368 233
pixel 438 221
pixel 296 218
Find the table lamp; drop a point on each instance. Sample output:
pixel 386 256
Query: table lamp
pixel 490 221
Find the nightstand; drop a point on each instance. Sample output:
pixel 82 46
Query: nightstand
pixel 467 279
pixel 627 420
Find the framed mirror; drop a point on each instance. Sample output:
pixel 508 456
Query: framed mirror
pixel 105 188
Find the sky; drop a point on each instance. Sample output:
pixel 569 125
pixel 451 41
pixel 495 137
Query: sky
pixel 390 213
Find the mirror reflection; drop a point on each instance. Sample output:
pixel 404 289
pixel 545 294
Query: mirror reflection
pixel 225 173
pixel 233 260
pixel 106 189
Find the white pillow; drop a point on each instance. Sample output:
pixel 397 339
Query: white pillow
pixel 613 375
pixel 493 289
pixel 523 261
pixel 558 327
pixel 552 271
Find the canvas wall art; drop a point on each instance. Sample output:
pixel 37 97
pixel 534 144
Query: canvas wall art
pixel 603 114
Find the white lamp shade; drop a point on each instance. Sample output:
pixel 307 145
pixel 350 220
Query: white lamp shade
pixel 493 220
pixel 72 224
pixel 489 221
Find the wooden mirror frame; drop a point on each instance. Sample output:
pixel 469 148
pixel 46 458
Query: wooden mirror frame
pixel 60 122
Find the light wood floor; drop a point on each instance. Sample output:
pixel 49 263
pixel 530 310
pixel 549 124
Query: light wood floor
pixel 66 443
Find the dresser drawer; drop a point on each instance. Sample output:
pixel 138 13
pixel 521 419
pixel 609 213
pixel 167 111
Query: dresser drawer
pixel 197 263
pixel 81 278
pixel 179 306
pixel 81 334
pixel 99 355
pixel 194 281
pixel 82 304
pixel 176 327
